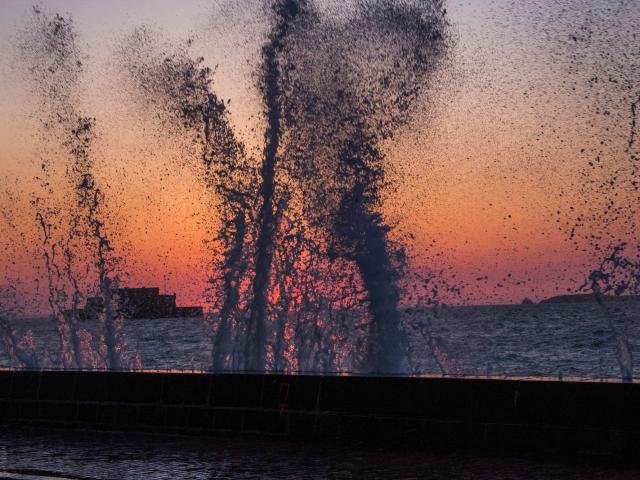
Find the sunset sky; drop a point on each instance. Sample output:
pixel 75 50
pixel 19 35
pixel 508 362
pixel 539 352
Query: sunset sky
pixel 488 169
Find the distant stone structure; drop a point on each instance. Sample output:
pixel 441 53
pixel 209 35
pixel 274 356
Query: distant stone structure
pixel 139 303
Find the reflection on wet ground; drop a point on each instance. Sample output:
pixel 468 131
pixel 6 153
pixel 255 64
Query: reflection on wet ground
pixel 36 452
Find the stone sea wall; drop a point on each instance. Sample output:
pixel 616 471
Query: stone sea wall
pixel 597 419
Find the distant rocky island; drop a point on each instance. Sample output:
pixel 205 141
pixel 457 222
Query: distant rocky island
pixel 141 303
pixel 583 298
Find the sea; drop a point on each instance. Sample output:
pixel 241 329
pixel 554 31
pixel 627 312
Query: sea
pixel 556 340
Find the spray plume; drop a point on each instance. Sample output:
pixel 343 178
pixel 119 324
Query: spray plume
pixel 314 249
pixel 76 248
pixel 169 79
pixel 341 103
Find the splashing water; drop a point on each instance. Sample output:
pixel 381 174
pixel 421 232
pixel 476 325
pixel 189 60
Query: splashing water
pixel 287 14
pixel 75 247
pixel 315 245
pixel 604 219
pixel 22 352
pixel 619 275
pixel 341 103
pixel 181 86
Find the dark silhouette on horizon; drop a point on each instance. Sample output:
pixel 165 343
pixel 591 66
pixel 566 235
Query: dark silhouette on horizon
pixel 141 303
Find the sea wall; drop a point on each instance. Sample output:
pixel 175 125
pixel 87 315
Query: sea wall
pixel 601 419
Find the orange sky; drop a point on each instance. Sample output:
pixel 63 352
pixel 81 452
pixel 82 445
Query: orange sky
pixel 510 125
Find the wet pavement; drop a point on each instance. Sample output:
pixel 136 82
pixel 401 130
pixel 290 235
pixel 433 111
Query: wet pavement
pixel 28 453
